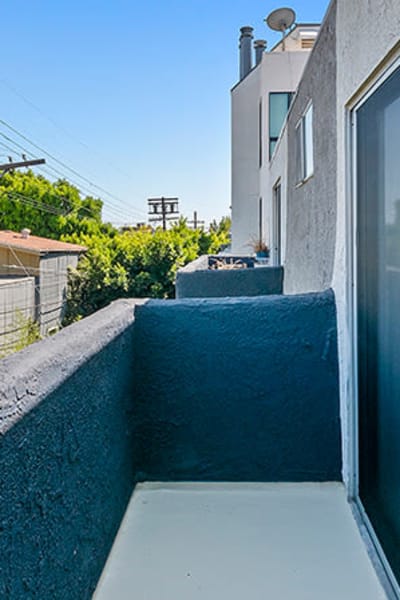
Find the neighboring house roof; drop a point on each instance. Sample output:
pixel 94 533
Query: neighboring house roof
pixel 38 245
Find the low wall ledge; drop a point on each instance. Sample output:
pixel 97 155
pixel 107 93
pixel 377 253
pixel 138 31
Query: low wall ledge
pixel 33 373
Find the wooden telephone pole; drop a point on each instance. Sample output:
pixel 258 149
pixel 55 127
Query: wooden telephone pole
pixel 163 209
pixel 196 224
pixel 10 166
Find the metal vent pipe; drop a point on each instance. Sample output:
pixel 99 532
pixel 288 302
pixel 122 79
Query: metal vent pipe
pixel 246 62
pixel 259 47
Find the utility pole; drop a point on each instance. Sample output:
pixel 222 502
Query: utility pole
pixel 196 223
pixel 10 166
pixel 163 209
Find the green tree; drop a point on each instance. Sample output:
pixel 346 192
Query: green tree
pixel 48 209
pixel 136 262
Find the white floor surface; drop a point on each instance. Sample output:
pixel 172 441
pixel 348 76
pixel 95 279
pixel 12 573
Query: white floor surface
pixel 239 542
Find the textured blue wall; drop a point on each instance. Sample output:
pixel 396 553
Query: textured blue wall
pixel 240 389
pixel 66 467
pixel 231 282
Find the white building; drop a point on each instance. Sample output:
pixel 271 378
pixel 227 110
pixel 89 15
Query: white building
pixel 260 101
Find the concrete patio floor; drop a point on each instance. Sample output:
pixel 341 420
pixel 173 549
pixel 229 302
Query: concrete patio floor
pixel 239 541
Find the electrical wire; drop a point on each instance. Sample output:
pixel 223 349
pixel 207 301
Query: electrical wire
pixel 61 163
pixel 16 196
pixel 22 96
pixel 110 207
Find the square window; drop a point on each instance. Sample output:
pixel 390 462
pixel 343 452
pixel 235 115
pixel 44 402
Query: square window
pixel 279 103
pixel 304 146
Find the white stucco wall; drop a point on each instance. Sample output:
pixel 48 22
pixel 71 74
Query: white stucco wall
pixel 277 172
pixel 245 161
pixel 366 34
pixel 278 72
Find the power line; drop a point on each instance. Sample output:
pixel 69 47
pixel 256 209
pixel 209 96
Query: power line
pixel 107 204
pixel 15 196
pixel 82 190
pixel 46 207
pixel 61 163
pixel 61 127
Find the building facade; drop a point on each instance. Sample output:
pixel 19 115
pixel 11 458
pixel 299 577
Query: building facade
pixel 40 264
pixel 331 192
pixel 260 102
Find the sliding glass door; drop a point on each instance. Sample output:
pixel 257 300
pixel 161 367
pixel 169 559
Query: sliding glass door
pixel 378 312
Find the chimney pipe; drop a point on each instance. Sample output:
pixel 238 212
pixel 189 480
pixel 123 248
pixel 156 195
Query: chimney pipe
pixel 246 62
pixel 259 47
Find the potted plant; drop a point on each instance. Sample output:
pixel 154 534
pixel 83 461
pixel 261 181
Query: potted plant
pixel 261 250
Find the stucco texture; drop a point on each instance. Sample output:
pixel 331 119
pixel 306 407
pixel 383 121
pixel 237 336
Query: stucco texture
pixel 230 282
pixel 367 44
pixel 66 457
pixel 242 389
pixel 245 161
pixel 312 206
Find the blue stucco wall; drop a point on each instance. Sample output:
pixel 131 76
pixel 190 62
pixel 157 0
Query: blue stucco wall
pixel 66 457
pixel 231 282
pixel 242 389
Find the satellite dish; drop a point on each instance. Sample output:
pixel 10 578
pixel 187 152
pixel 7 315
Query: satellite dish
pixel 281 19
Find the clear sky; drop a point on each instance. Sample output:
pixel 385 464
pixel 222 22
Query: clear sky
pixel 134 96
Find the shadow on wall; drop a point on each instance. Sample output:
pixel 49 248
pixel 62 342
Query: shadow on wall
pixel 242 389
pixel 66 477
pixel 214 390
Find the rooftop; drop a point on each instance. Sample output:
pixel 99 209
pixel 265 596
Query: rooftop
pixel 36 244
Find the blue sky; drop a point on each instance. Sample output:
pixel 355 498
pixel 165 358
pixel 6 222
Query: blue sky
pixel 134 96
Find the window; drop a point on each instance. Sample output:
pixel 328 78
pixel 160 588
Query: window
pixel 279 103
pixel 304 146
pixel 260 142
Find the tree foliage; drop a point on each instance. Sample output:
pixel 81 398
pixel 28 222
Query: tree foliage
pixel 136 262
pixel 48 209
